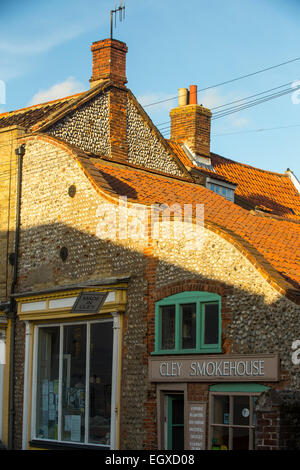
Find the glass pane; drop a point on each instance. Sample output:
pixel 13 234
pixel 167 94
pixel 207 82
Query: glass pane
pixel 177 411
pixel 47 383
pixel 100 382
pixel 74 381
pixel 220 438
pixel 188 318
pixel 211 318
pixel 240 439
pixel 241 410
pixel 254 399
pixel 177 418
pixel 221 409
pixel 168 327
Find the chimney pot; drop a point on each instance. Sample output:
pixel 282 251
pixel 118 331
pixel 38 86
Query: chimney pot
pixel 193 94
pixel 182 96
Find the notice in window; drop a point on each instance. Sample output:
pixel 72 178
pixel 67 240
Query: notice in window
pixel 75 428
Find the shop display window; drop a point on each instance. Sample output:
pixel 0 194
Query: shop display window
pixel 73 382
pixel 232 421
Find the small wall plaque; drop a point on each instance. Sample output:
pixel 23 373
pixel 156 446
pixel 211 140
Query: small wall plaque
pixel 196 426
pixel 89 302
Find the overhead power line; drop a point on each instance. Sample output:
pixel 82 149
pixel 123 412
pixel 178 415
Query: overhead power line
pixel 247 104
pixel 244 99
pixel 256 130
pixel 228 81
pixel 252 103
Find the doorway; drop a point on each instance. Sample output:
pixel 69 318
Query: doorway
pixel 174 421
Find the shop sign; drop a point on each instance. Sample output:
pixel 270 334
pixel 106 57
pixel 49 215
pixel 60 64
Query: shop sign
pixel 236 368
pixel 89 302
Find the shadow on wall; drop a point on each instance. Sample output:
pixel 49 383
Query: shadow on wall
pixel 278 420
pixel 42 266
pixel 250 324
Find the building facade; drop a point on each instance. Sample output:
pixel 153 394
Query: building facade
pixel 147 299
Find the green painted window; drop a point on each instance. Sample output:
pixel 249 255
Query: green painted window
pixel 189 322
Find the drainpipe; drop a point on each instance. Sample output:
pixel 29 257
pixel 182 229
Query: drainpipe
pixel 20 152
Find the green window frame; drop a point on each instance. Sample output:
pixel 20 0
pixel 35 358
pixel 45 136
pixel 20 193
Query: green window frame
pixel 229 428
pixel 200 302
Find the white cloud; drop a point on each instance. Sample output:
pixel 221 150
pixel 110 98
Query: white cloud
pixel 70 86
pixel 35 45
pixel 164 101
pixel 48 25
pixel 239 122
pixel 211 99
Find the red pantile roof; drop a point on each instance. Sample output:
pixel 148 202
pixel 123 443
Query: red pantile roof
pixel 29 116
pixel 275 242
pixel 273 192
pixel 265 190
pixel 272 245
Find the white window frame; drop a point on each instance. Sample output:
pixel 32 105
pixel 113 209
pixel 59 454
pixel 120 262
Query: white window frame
pixel 221 185
pixel 115 320
pixel 2 365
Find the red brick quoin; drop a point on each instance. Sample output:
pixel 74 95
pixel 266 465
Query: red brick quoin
pixel 150 421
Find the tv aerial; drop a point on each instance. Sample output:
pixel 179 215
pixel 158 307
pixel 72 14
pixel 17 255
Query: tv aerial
pixel 114 13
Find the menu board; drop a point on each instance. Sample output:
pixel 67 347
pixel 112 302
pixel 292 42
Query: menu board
pixel 196 425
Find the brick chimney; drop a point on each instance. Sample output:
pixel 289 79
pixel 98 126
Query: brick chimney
pixel 190 123
pixel 109 61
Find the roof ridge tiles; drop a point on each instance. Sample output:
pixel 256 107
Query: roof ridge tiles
pixel 251 167
pixel 35 106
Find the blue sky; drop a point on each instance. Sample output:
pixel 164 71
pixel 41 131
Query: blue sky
pixel 45 54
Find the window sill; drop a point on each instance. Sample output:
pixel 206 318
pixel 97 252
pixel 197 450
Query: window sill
pixel 51 445
pixel 187 352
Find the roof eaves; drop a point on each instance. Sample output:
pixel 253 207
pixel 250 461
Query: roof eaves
pixel 70 106
pixel 39 105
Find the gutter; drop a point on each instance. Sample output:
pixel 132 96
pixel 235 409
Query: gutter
pixel 20 152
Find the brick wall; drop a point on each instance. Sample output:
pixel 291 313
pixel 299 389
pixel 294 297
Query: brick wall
pixel 109 61
pixel 278 421
pixel 19 359
pixel 191 124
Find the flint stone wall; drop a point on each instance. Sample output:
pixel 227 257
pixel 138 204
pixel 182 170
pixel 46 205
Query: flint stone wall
pixel 86 127
pixel 144 147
